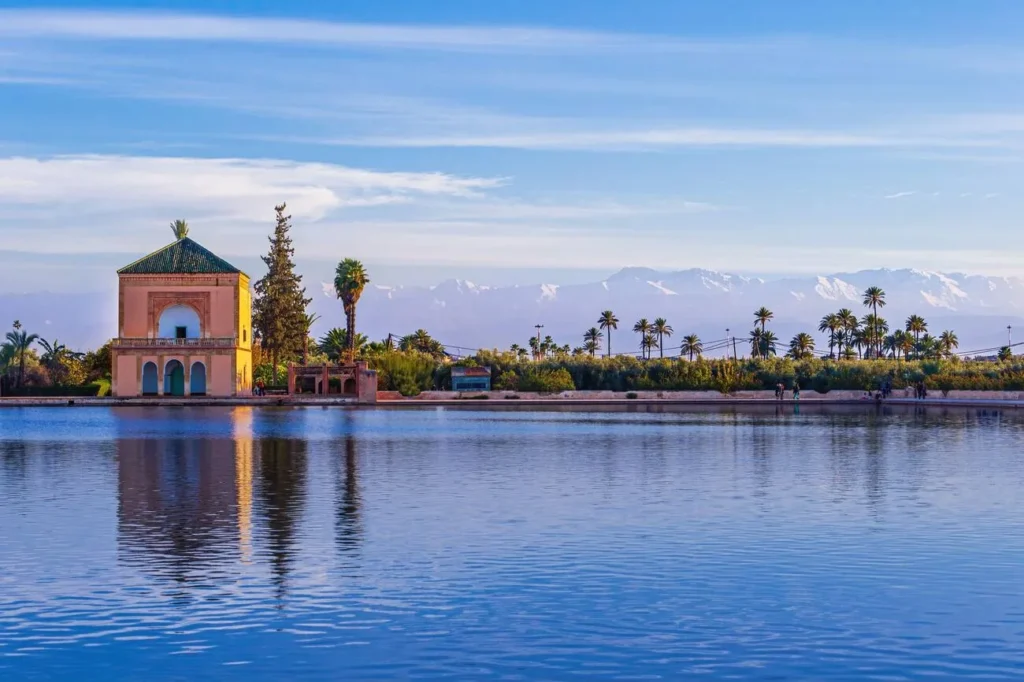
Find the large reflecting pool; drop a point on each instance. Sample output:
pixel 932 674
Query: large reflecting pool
pixel 328 544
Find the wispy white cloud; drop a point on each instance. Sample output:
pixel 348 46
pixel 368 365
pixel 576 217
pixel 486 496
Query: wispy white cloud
pixel 900 195
pixel 657 138
pixel 176 27
pixel 122 192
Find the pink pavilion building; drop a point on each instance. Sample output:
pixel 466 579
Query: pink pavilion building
pixel 184 326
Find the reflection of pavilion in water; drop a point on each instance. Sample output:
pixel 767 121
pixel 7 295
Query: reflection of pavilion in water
pixel 187 502
pixel 187 505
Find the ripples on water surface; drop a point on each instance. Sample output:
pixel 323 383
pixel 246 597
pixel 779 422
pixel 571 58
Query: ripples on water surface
pixel 314 544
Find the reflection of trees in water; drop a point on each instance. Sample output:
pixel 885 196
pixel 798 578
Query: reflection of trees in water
pixel 176 504
pixel 14 457
pixel 281 488
pixel 350 527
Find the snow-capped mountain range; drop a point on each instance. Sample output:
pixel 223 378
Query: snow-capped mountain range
pixel 462 313
pixel 472 315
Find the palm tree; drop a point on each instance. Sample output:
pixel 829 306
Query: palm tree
pixel 948 342
pixel 1005 354
pixel 891 345
pixel 875 329
pixel 643 328
pixel 859 340
pixel 334 344
pixel 535 347
pixel 7 356
pixel 762 315
pixel 308 320
pixel 608 322
pixel 546 346
pixel 801 346
pixel 662 329
pixel 896 342
pixel 874 298
pixel 55 355
pixel 906 342
pixel 21 341
pixel 916 326
pixel 592 340
pixel 691 346
pixel 768 343
pixel 350 279
pixel 831 324
pixel 180 229
pixel 756 335
pixel 648 342
pixel 849 324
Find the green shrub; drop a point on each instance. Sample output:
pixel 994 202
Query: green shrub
pixel 547 381
pixel 821 383
pixel 507 381
pixel 89 391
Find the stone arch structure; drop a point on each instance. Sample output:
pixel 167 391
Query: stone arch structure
pixel 161 301
pixel 175 318
pixel 197 379
pixel 174 378
pixel 150 379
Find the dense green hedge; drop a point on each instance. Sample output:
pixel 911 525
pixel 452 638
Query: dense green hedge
pixel 54 391
pixel 411 373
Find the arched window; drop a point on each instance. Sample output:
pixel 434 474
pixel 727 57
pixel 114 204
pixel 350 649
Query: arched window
pixel 179 322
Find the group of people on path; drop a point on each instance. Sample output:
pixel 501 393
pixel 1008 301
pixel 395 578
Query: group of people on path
pixel 780 391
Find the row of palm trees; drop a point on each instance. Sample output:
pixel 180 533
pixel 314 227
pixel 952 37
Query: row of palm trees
pixel 849 337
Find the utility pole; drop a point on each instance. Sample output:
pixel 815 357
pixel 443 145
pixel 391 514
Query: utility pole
pixel 538 327
pixel 727 337
pixel 1009 337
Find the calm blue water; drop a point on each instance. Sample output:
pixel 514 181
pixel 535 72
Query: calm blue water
pixel 315 544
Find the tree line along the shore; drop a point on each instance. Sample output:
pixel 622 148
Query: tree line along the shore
pixel 860 353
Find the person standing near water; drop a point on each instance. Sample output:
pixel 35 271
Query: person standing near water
pixel 796 391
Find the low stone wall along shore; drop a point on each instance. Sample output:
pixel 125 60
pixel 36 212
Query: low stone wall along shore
pixel 691 396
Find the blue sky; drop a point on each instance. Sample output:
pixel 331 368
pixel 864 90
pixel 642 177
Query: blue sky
pixel 470 137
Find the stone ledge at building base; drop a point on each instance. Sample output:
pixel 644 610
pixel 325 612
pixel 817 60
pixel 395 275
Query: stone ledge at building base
pixel 267 401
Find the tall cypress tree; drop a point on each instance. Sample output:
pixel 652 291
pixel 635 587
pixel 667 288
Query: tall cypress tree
pixel 279 308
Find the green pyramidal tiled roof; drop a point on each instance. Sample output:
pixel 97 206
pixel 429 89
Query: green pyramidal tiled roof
pixel 183 257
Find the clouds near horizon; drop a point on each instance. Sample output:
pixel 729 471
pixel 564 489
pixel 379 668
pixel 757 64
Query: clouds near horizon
pixel 504 139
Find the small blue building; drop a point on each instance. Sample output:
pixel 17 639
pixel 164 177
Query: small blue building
pixel 471 378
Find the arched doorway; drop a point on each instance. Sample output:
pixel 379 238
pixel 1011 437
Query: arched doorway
pixel 174 378
pixel 150 384
pixel 349 387
pixel 197 382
